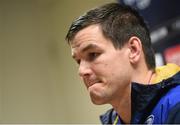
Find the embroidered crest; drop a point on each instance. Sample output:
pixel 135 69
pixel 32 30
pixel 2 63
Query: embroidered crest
pixel 150 120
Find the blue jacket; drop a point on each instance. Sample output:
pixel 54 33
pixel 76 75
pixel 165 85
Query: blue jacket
pixel 152 104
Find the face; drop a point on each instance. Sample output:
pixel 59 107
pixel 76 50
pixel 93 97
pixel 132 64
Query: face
pixel 105 70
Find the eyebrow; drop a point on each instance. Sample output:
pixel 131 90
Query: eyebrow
pixel 90 46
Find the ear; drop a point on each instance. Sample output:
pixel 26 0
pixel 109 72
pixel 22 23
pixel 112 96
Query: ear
pixel 135 47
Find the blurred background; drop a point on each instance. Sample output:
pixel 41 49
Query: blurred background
pixel 38 78
pixel 163 19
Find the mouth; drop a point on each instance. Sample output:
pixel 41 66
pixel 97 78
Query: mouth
pixel 91 83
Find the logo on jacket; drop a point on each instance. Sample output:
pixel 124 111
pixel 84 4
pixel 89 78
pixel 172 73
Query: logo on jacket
pixel 150 120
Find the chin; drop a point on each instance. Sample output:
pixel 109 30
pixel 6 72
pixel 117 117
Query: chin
pixel 98 95
pixel 97 100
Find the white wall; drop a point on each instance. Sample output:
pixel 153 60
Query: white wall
pixel 38 78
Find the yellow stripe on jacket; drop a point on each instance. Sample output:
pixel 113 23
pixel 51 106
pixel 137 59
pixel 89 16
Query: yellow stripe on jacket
pixel 165 72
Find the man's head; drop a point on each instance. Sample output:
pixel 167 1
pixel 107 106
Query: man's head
pixel 118 23
pixel 108 44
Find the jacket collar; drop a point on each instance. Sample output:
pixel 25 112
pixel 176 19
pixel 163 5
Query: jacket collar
pixel 144 97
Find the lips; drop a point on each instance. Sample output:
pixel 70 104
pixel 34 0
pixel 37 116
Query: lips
pixel 90 82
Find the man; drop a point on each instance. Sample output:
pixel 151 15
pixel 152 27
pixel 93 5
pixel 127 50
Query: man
pixel 112 46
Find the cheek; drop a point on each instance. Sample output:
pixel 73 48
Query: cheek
pixel 101 68
pixel 116 71
pixel 111 66
pixel 106 72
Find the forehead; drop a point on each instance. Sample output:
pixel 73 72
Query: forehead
pixel 89 37
pixel 88 34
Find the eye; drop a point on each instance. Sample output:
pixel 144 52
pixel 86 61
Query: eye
pixel 93 55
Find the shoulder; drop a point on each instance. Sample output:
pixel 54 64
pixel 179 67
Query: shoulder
pixel 172 96
pixel 174 115
pixel 168 106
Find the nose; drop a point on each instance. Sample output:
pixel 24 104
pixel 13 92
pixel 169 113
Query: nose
pixel 84 69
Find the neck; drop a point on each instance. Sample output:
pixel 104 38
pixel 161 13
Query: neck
pixel 143 75
pixel 122 105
